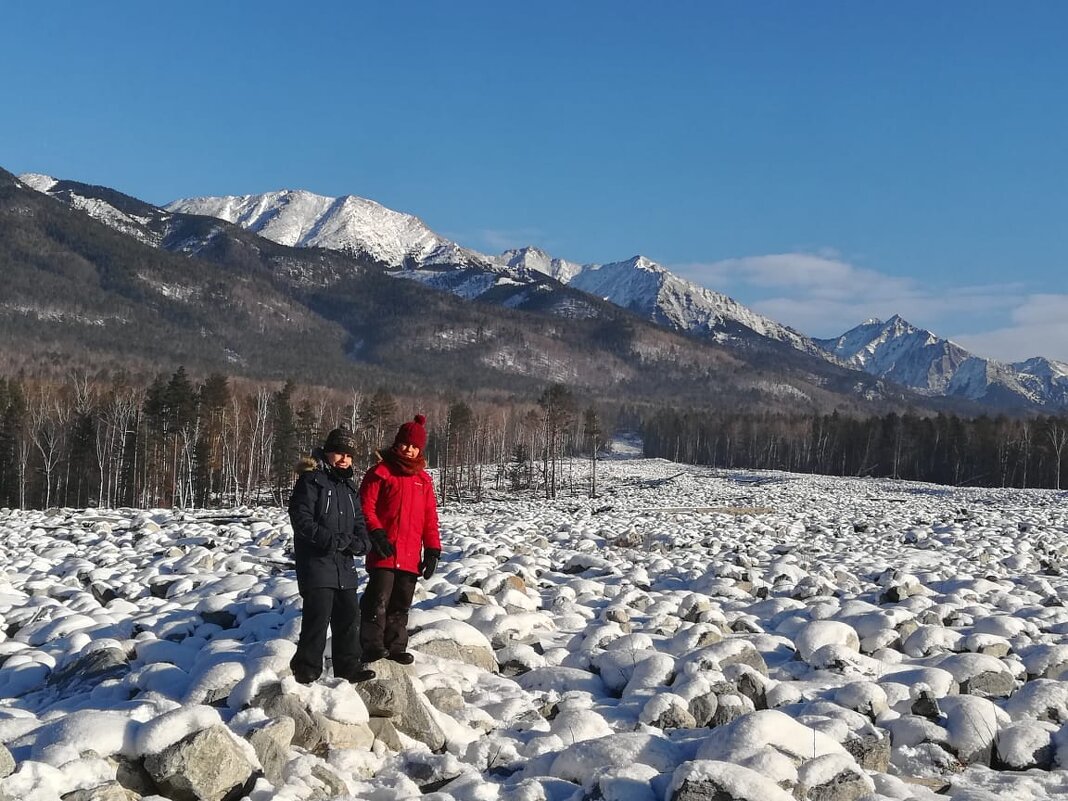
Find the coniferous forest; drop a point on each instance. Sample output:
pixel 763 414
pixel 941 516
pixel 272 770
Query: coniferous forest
pixel 984 451
pixel 218 441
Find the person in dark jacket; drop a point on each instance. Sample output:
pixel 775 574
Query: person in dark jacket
pixel 401 510
pixel 328 532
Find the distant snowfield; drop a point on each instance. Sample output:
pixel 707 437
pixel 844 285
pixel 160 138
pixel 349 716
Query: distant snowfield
pixel 689 632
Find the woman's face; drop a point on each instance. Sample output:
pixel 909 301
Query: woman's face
pixel 407 450
pixel 339 460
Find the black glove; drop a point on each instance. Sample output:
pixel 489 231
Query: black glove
pixel 430 562
pixel 357 545
pixel 380 544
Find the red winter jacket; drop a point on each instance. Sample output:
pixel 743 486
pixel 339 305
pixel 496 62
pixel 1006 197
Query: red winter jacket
pixel 406 508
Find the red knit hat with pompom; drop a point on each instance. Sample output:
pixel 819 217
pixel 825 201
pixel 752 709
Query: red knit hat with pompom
pixel 412 433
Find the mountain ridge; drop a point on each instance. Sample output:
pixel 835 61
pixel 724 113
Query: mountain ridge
pixel 917 358
pixel 358 316
pixel 531 280
pixel 638 284
pixel 912 357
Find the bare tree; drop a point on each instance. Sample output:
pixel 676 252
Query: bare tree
pixel 1057 436
pixel 116 414
pixel 48 430
pixel 592 439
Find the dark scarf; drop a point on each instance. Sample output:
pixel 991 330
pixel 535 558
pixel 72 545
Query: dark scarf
pixel 402 464
pixel 345 474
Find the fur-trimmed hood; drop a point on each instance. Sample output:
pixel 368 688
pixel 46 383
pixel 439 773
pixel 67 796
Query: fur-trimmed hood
pixel 317 461
pixel 313 462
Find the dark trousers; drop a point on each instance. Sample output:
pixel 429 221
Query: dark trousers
pixel 338 609
pixel 384 610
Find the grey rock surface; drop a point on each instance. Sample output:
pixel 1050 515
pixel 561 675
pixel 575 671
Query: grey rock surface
pixel 205 766
pixel 271 742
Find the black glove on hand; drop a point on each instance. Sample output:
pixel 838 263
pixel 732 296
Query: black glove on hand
pixel 358 545
pixel 430 562
pixel 381 545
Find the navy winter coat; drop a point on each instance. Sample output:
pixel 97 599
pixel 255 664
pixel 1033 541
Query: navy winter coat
pixel 328 528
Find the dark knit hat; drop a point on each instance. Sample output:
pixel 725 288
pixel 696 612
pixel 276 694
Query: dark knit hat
pixel 412 433
pixel 340 440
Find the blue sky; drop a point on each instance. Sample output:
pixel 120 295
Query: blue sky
pixel 823 162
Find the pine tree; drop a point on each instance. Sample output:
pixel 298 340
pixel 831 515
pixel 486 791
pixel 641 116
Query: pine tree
pixel 284 443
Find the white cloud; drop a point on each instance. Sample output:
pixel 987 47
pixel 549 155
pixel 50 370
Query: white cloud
pixel 1039 327
pixel 823 295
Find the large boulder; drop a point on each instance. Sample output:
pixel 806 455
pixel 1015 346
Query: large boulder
pixel 277 703
pixel 456 640
pixel 736 650
pixel 871 749
pixel 833 777
pixel 973 724
pixel 820 633
pixel 344 727
pixel 205 766
pixel 90 669
pixel 109 791
pixel 412 712
pixel 769 727
pixel 1025 745
pixel 271 743
pixel 710 780
pixel 7 762
pixel 577 762
pixel 667 711
pixel 980 674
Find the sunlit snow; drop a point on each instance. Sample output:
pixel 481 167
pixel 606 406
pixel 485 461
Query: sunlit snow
pixel 689 630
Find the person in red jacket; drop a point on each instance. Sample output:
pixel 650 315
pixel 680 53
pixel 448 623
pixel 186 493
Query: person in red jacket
pixel 398 502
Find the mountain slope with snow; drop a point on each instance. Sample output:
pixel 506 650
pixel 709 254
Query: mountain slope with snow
pixel 206 293
pixel 353 224
pixel 529 279
pixel 646 288
pixel 517 279
pixel 403 241
pixel 901 352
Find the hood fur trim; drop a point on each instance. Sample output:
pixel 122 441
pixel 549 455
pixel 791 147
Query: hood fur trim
pixel 305 464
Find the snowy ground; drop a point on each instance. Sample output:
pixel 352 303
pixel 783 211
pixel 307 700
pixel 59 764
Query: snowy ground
pixel 690 631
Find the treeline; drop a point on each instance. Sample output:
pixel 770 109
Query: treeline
pixel 219 442
pixel 944 449
pixel 178 442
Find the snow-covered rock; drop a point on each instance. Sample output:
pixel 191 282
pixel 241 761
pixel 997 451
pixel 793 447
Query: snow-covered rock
pixel 121 641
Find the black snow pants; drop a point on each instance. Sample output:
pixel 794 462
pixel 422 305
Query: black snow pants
pixel 384 611
pixel 338 609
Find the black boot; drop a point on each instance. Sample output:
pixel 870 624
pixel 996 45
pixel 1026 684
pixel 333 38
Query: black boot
pixel 358 675
pixel 304 676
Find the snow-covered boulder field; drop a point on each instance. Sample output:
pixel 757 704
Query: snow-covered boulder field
pixel 690 634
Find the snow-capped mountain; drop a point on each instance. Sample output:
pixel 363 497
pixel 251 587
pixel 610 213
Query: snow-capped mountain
pixel 168 288
pixel 533 280
pixel 646 288
pixel 115 210
pixel 353 224
pixel 532 258
pixel 403 242
pixel 1046 378
pixel 917 358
